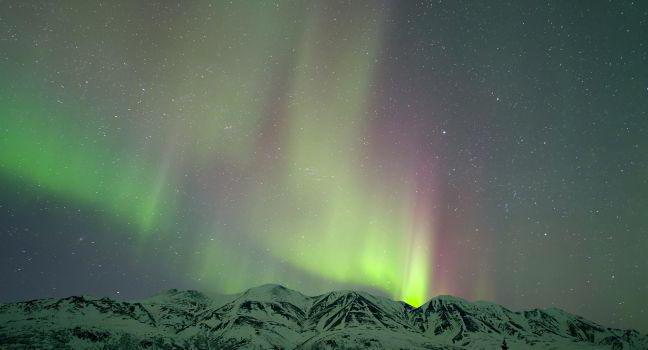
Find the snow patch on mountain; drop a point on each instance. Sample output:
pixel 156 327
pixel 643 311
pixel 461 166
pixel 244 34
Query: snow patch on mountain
pixel 275 317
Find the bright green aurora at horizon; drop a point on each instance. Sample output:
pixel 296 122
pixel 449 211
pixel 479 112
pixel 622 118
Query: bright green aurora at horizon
pixel 321 210
pixel 492 151
pixel 328 221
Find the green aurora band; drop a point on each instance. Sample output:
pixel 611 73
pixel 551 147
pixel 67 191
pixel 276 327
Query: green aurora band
pixel 492 151
pixel 323 209
pixel 328 221
pixel 33 151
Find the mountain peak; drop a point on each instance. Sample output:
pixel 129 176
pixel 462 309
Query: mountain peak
pixel 177 294
pixel 269 288
pixel 273 316
pixel 449 298
pixel 275 293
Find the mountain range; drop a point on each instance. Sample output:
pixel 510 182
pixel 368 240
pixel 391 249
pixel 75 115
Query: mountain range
pixel 275 317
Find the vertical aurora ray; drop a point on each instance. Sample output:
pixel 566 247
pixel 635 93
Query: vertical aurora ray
pixel 327 209
pixel 413 148
pixel 417 275
pixel 226 71
pixel 285 108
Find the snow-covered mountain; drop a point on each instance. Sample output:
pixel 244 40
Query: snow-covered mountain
pixel 274 317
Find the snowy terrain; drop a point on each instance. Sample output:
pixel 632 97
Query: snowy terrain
pixel 274 317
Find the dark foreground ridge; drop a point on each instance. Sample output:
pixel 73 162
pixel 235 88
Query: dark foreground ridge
pixel 274 317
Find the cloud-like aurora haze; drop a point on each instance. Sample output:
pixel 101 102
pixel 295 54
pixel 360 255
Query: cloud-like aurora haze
pixel 406 148
pixel 326 208
pixel 322 206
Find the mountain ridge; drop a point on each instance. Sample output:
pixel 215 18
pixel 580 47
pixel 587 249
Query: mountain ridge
pixel 274 317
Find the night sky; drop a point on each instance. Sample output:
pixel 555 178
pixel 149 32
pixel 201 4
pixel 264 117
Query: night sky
pixel 491 150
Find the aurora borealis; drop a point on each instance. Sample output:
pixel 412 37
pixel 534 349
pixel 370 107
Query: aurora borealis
pixel 493 152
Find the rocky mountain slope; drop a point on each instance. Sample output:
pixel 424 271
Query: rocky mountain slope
pixel 274 317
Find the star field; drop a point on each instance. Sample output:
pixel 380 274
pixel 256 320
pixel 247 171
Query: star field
pixel 494 151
